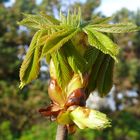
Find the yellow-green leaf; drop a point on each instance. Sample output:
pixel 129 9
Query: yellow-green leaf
pixel 57 40
pixel 30 67
pixel 102 42
pixel 62 68
pixel 76 61
pixel 115 28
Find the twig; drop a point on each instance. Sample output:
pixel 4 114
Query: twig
pixel 61 133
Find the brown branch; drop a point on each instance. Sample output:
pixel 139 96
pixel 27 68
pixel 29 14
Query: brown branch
pixel 61 133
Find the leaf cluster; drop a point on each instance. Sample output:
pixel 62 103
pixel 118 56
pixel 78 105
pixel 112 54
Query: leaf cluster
pixel 54 39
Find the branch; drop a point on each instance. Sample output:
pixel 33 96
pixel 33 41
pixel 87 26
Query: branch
pixel 61 133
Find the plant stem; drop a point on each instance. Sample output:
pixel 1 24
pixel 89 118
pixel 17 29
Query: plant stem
pixel 61 133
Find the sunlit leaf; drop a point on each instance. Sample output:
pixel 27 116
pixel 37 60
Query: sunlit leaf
pixel 115 28
pixel 99 20
pixel 75 60
pixel 30 67
pixel 33 21
pixel 57 40
pixel 50 19
pixel 91 55
pixel 39 21
pixel 62 68
pixel 102 42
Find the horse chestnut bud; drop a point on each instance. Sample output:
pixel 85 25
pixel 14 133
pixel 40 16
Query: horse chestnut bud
pixel 77 97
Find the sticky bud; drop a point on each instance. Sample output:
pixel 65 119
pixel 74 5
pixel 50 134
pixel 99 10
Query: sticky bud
pixel 55 93
pixel 77 97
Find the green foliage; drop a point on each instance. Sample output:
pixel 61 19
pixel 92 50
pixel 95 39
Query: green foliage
pixel 60 34
pixel 92 84
pixel 57 40
pixel 30 67
pixel 101 42
pixel 38 21
pixel 74 58
pixel 62 68
pixel 5 131
pixel 91 55
pixel 40 132
pixel 115 28
pixel 20 109
pixel 105 77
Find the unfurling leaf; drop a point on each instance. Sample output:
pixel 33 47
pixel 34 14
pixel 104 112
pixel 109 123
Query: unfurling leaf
pixel 99 20
pixel 102 42
pixel 88 118
pixel 62 68
pixel 105 77
pixel 115 28
pixel 75 83
pixel 57 40
pixel 38 21
pixel 50 19
pixel 74 58
pixel 91 55
pixel 92 83
pixel 30 67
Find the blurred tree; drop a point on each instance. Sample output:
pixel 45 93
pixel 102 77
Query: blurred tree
pixel 127 71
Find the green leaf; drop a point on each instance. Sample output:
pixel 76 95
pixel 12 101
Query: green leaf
pixel 91 55
pixel 102 42
pixel 99 20
pixel 33 21
pixel 115 28
pixel 92 83
pixel 57 40
pixel 50 19
pixel 75 60
pixel 30 67
pixel 105 77
pixel 84 117
pixel 39 21
pixel 72 19
pixel 62 68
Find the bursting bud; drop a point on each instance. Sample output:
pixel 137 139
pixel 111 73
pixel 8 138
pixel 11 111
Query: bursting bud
pixel 84 117
pixel 55 93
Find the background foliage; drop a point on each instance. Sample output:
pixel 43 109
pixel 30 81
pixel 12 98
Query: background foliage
pixel 19 117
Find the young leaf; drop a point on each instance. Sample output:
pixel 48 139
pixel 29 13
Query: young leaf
pixel 50 19
pixel 105 77
pixel 101 42
pixel 75 60
pixel 57 40
pixel 91 55
pixel 30 67
pixel 62 68
pixel 33 21
pixel 92 83
pixel 100 21
pixel 115 28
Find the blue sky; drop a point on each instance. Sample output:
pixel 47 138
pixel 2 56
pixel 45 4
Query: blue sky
pixel 108 7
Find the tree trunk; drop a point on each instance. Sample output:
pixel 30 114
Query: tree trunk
pixel 61 133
